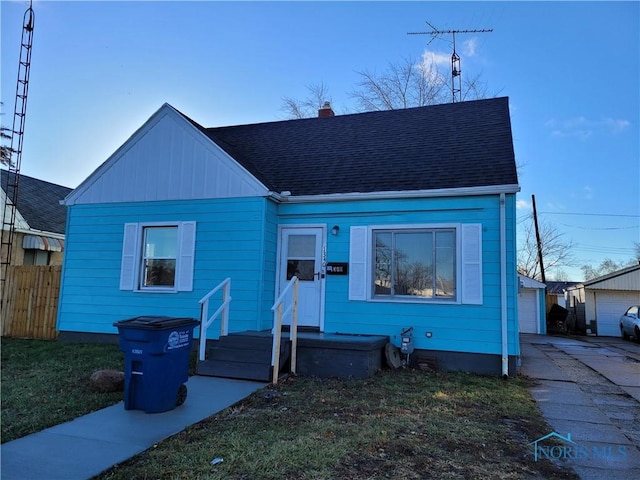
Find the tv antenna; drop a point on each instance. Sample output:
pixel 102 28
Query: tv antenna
pixel 10 194
pixel 456 71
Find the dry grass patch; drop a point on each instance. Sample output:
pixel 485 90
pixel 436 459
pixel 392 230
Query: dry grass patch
pixel 399 424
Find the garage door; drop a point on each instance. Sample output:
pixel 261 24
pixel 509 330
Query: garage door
pixel 528 311
pixel 609 307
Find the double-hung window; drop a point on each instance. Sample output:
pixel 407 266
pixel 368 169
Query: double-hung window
pixel 158 257
pixel 418 263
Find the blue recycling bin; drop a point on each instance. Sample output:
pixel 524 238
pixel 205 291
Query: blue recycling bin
pixel 156 350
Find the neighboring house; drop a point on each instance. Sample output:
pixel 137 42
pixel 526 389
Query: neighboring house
pixel 599 303
pixel 532 311
pixel 414 208
pixel 556 292
pixel 40 221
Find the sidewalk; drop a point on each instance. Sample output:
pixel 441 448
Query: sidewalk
pixel 88 445
pixel 590 392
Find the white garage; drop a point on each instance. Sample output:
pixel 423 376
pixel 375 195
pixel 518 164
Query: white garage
pixel 608 308
pixel 531 311
pixel 606 298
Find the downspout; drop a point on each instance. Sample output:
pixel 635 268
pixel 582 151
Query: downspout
pixel 503 287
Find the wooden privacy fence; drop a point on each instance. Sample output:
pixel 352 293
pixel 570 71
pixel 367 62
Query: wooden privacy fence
pixel 30 301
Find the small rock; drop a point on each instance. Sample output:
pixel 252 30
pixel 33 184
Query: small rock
pixel 105 381
pixel 270 394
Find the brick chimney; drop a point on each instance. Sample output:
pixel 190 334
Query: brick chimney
pixel 326 111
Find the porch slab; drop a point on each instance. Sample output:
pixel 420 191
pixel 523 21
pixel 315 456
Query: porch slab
pixel 327 355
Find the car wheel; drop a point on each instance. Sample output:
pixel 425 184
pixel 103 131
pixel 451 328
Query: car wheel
pixel 637 332
pixel 624 334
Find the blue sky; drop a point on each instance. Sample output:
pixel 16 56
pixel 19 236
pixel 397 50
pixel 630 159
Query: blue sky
pixel 570 69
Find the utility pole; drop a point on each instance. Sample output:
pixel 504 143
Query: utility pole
pixel 456 71
pixel 535 223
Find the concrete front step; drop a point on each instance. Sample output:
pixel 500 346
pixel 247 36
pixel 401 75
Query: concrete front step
pixel 238 370
pixel 245 355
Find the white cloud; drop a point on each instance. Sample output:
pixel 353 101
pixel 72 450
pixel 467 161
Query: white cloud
pixel 523 205
pixel 437 58
pixel 469 47
pixel 616 125
pixel 582 128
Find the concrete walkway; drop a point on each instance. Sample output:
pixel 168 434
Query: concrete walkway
pixel 88 445
pixel 588 390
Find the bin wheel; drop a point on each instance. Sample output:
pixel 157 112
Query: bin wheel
pixel 182 395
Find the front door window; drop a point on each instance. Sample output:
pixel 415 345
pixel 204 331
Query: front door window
pixel 301 257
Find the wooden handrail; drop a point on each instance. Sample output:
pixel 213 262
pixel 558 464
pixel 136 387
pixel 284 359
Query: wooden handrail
pixel 279 313
pixel 206 321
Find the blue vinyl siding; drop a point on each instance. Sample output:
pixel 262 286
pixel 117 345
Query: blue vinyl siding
pixel 237 238
pixel 269 265
pixel 468 328
pixel 230 234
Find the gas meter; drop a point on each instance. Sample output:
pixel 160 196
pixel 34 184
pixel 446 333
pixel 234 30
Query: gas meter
pixel 406 347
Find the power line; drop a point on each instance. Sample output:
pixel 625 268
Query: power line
pixel 599 228
pixel 590 214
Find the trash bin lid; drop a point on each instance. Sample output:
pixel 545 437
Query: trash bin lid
pixel 156 322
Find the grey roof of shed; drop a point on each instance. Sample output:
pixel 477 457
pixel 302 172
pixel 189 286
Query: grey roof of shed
pixel 456 145
pixel 39 203
pixel 617 273
pixel 558 287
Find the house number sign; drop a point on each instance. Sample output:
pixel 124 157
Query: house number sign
pixel 337 268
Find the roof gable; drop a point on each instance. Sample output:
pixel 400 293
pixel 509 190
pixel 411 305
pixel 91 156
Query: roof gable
pixel 449 146
pixel 168 158
pixel 625 279
pixel 39 203
pixel 527 282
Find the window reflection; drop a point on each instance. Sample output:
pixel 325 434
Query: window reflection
pixel 417 263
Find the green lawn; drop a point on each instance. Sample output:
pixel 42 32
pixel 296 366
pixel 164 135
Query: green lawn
pixel 45 383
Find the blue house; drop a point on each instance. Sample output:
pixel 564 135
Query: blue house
pixel 391 220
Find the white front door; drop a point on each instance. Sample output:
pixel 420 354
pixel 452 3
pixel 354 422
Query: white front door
pixel 301 255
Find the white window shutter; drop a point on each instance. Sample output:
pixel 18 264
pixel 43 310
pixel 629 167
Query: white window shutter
pixel 472 263
pixel 129 257
pixel 184 271
pixel 358 264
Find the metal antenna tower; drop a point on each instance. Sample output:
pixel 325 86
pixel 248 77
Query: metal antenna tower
pixel 10 186
pixel 456 71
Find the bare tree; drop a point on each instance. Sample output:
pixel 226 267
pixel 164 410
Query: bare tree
pixel 561 276
pixel 606 266
pixel 403 84
pixel 308 106
pixel 556 251
pixel 411 83
pixel 406 83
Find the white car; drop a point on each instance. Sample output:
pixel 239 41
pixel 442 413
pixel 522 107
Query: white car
pixel 630 323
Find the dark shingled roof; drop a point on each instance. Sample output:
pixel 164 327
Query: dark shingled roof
pixel 39 203
pixel 558 288
pixel 466 144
